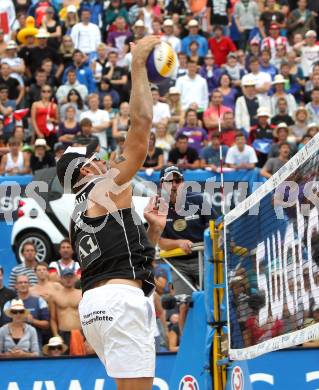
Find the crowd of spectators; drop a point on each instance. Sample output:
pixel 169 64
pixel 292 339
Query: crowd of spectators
pixel 249 67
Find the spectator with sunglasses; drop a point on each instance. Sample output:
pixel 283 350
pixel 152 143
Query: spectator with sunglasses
pixel 37 307
pixel 18 339
pixel 55 347
pixel 45 116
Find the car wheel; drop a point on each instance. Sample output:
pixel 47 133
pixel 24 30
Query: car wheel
pixel 42 245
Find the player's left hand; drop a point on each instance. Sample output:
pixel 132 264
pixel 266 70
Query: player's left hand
pixel 155 212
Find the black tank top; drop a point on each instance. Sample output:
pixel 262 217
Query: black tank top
pixel 111 246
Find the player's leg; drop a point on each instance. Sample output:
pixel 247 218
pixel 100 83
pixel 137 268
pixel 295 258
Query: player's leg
pixel 134 384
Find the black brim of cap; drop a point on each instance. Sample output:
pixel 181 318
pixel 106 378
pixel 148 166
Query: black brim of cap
pixel 71 158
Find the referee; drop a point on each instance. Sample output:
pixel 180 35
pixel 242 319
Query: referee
pixel 113 248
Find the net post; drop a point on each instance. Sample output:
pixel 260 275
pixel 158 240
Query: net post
pixel 218 369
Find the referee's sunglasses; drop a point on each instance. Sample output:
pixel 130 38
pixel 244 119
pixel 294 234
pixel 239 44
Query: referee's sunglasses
pixel 177 180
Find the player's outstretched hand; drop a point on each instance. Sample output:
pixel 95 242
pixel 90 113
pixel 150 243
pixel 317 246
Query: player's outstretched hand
pixel 155 212
pixel 141 50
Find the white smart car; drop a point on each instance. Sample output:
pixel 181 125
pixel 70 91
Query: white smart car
pixel 44 219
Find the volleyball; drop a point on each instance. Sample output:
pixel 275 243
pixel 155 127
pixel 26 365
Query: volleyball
pixel 161 63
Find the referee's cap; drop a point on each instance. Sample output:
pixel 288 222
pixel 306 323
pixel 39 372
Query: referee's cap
pixel 69 165
pixel 166 172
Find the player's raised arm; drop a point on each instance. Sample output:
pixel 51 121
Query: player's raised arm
pixel 141 113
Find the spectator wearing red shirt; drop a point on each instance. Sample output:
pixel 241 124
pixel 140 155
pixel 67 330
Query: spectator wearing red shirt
pixel 220 46
pixel 229 130
pixel 215 108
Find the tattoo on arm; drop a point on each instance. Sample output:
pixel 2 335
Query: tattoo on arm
pixel 119 159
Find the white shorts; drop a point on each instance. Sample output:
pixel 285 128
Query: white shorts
pixel 119 322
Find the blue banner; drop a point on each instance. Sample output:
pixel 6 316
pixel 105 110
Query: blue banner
pixel 295 369
pixel 67 373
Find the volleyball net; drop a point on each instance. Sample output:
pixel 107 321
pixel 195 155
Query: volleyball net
pixel 271 246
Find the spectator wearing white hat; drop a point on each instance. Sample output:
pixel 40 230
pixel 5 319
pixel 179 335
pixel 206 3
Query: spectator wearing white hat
pixel 247 105
pixel 279 92
pixel 86 35
pixel 41 158
pixel 193 28
pixel 55 347
pixel 193 88
pixel 169 37
pixel 139 31
pixel 71 19
pixel 42 51
pixel 282 134
pixel 309 52
pixel 312 129
pixel 176 119
pixel 18 339
pixel 261 135
pixel 17 66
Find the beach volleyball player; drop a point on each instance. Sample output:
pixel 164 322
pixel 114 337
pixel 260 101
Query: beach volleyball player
pixel 114 250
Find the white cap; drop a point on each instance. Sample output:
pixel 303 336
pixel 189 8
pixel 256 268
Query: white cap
pixel 192 23
pixel 42 34
pixel 279 79
pixel 311 33
pixel 263 111
pixel 71 8
pixel 173 91
pixel 168 23
pixel 11 45
pixel 248 81
pixel 41 142
pixel 139 23
pixel 282 125
pixel 312 124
